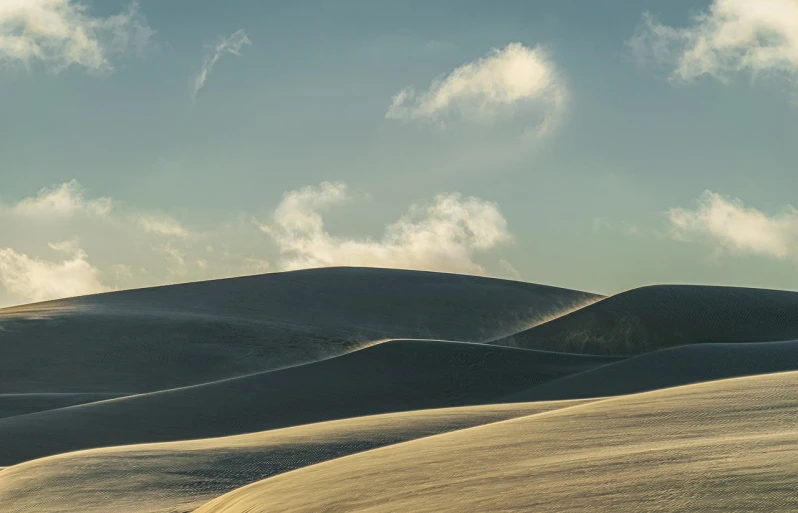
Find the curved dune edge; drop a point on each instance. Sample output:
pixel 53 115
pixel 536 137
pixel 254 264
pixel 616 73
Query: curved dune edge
pixel 399 375
pixel 12 405
pixel 158 338
pixel 660 316
pixel 181 476
pixel 667 368
pixel 718 446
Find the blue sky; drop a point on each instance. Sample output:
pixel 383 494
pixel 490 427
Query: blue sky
pixel 592 145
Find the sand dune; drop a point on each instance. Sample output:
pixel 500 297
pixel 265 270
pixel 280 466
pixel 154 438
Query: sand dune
pixel 164 337
pixel 656 317
pixel 21 404
pixel 727 445
pixel 669 368
pixel 313 410
pixel 181 476
pixel 388 377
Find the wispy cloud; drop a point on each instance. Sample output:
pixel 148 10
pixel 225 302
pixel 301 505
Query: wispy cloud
pixel 65 200
pixel 509 83
pixel 443 235
pixel 62 33
pixel 32 279
pixel 729 224
pixel 757 37
pixel 161 224
pixel 232 44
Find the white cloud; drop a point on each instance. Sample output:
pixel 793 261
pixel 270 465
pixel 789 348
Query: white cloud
pixel 232 44
pixel 160 224
pixel 759 37
pixel 62 33
pixel 511 83
pixel 731 225
pixel 65 200
pixel 32 279
pixel 443 235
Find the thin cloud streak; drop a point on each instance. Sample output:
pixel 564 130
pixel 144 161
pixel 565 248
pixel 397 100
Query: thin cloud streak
pixel 232 44
pixel 160 224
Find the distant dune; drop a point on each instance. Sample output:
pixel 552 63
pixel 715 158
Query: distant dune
pixel 722 446
pixel 181 476
pixel 666 368
pixel 388 377
pixel 164 337
pixel 656 317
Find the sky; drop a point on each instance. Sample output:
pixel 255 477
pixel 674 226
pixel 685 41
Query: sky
pixel 599 146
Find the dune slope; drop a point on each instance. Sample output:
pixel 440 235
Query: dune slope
pixel 21 404
pixel 164 337
pixel 667 368
pixel 388 377
pixel 727 445
pixel 180 476
pixel 660 316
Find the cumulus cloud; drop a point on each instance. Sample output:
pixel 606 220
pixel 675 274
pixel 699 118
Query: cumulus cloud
pixel 443 235
pixel 161 224
pixel 65 200
pixel 33 279
pixel 731 225
pixel 232 44
pixel 62 33
pixel 515 82
pixel 757 37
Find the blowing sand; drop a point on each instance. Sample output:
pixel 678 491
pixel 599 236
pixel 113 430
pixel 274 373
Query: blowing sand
pixel 661 316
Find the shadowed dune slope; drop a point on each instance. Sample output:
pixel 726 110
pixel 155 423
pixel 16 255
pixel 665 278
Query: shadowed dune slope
pixel 388 377
pixel 660 316
pixel 21 404
pixel 667 368
pixel 727 445
pixel 181 476
pixel 163 337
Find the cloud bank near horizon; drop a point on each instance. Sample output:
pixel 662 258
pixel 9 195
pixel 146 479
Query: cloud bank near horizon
pixel 442 235
pixel 448 233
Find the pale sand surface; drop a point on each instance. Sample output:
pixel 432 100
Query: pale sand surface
pixel 180 476
pixel 165 337
pixel 388 377
pixel 660 316
pixel 729 445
